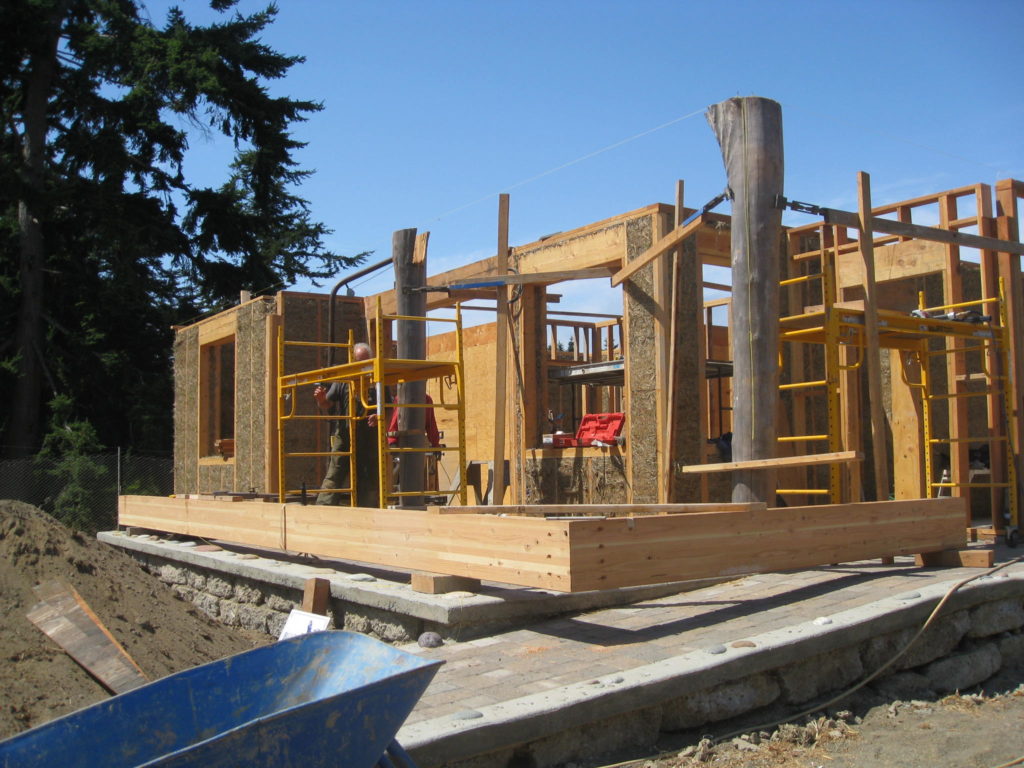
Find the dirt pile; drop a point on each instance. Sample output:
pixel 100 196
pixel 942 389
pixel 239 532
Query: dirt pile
pixel 161 632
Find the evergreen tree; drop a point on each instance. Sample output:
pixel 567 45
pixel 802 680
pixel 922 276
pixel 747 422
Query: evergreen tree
pixel 104 242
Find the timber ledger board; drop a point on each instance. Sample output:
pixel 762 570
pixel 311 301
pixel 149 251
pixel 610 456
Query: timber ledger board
pixel 571 555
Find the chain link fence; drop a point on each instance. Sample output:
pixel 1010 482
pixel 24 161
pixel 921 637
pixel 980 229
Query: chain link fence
pixel 81 491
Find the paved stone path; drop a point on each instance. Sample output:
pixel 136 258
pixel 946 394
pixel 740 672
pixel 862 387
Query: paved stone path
pixel 559 652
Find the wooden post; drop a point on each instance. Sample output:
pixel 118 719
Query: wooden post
pixel 1007 225
pixel 410 259
pixel 879 441
pixel 749 131
pixel 500 356
pixel 907 435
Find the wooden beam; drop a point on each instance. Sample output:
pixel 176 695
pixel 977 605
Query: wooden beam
pixel 532 278
pixel 879 441
pixel 905 229
pixel 581 554
pixel 497 495
pixel 837 457
pixel 665 243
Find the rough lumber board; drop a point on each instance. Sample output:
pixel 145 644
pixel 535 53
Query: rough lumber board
pixel 957 558
pixel 651 550
pixel 781 461
pixel 672 239
pixel 64 617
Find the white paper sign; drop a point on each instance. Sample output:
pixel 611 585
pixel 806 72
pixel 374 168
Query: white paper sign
pixel 302 623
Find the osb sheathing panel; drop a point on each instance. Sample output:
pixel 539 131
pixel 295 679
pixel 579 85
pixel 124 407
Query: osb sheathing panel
pixel 639 391
pixel 478 352
pixel 186 410
pixel 305 318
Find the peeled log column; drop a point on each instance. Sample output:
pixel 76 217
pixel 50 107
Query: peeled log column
pixel 410 273
pixel 749 130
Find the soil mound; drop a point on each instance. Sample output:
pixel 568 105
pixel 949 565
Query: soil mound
pixel 161 632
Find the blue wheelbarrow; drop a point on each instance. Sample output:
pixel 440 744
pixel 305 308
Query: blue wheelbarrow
pixel 322 699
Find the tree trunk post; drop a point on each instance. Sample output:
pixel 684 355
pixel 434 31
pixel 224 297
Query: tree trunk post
pixel 749 131
pixel 410 273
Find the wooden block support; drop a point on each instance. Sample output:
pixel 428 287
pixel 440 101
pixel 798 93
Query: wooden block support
pixel 439 583
pixel 316 596
pixel 957 558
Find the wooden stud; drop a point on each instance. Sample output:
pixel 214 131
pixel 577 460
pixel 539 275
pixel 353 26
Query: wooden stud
pixel 316 596
pixel 500 357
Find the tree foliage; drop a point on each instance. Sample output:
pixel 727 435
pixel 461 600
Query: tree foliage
pixel 104 241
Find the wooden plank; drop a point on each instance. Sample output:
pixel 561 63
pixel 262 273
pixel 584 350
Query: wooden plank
pixel 651 550
pixel 836 457
pixel 662 245
pixel 439 583
pixel 907 421
pixel 898 261
pixel 531 278
pixel 601 510
pixel 575 555
pixel 497 495
pixel 879 441
pixel 67 619
pixel 316 596
pixel 905 229
pixel 957 558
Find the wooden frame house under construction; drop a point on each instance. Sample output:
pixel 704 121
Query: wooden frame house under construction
pixel 897 428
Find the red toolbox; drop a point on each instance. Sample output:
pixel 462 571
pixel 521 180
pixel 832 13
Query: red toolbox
pixel 599 427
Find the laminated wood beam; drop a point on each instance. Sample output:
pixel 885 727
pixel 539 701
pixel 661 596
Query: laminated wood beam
pixel 600 510
pixel 575 555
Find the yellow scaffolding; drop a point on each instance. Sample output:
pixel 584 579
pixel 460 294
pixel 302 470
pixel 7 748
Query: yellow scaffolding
pixel 363 377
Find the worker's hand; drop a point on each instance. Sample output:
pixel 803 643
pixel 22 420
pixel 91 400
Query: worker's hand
pixel 372 419
pixel 320 395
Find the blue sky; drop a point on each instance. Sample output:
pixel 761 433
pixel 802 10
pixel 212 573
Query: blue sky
pixel 433 108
